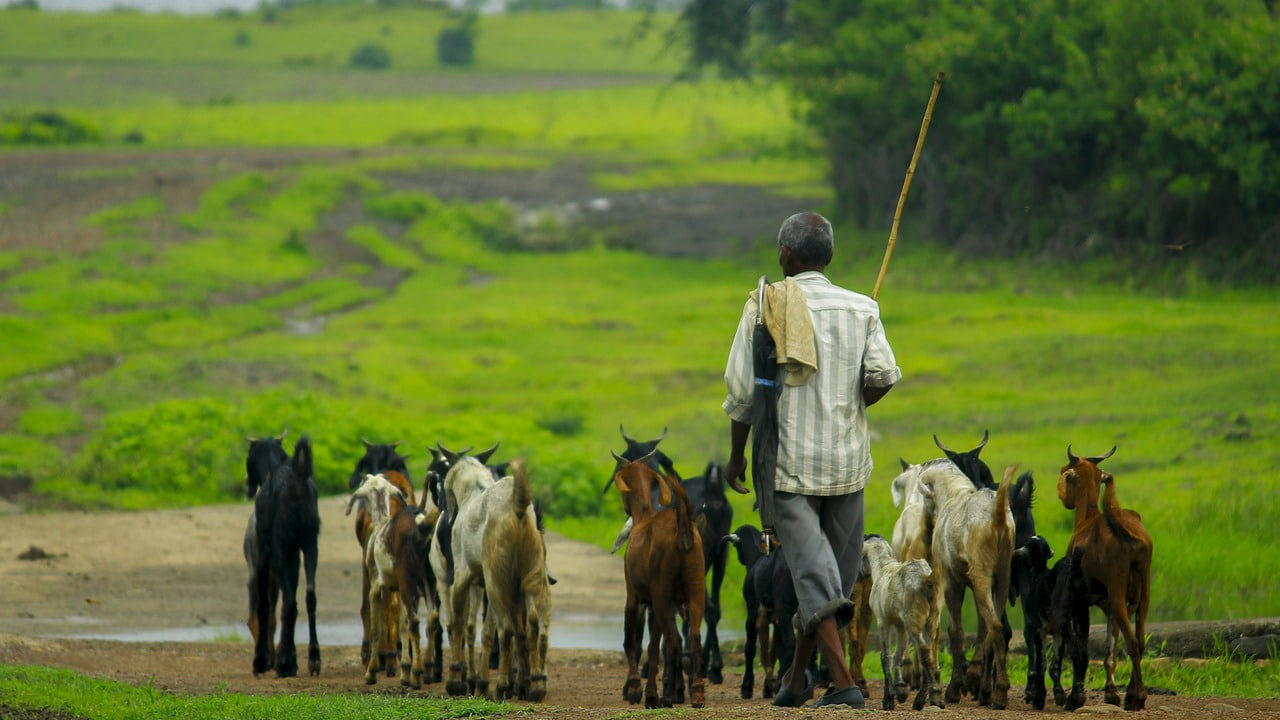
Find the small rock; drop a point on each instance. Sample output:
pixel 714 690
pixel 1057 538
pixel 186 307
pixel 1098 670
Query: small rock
pixel 931 708
pixel 1102 709
pixel 1221 707
pixel 1194 662
pixel 1260 663
pixel 35 552
pixel 1160 662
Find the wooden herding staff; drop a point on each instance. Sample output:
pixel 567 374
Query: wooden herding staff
pixel 906 185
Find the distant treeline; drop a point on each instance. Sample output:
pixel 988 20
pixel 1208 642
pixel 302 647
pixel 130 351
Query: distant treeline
pixel 1067 128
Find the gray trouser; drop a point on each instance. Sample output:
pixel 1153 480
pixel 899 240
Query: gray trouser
pixel 821 540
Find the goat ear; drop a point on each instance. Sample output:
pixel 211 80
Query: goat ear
pixel 664 490
pixel 622 484
pixel 905 464
pixel 356 498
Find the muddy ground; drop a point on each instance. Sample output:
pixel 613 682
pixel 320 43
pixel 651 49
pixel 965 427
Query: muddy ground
pixel 118 572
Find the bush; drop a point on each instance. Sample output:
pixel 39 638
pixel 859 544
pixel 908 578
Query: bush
pixel 370 56
pixel 45 128
pixel 457 45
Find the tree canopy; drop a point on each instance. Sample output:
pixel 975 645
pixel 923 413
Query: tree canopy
pixel 1065 126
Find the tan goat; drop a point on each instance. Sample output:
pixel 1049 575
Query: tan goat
pixel 972 548
pixel 497 542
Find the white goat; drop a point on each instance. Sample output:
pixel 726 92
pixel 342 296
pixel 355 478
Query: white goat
pixel 497 544
pixel 467 479
pixel 904 600
pixel 909 542
pixel 972 545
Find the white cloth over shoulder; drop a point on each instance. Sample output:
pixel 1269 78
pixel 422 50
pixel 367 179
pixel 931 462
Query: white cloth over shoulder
pixel 823 447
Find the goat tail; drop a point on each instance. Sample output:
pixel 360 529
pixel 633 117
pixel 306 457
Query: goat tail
pixel 684 515
pixel 1000 510
pixel 302 460
pixel 522 492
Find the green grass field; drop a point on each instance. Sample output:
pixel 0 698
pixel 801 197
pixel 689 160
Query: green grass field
pixel 45 689
pixel 325 298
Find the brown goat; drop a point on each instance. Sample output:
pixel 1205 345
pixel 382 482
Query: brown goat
pixel 364 526
pixel 665 570
pixel 1116 558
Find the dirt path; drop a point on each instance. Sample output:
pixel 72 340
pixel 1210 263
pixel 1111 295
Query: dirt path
pixel 121 572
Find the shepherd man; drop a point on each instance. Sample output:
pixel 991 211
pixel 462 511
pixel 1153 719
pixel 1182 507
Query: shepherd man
pixel 832 362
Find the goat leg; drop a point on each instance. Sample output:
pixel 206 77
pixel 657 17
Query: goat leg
pixel 955 636
pixel 631 647
pixel 886 664
pixel 1109 692
pixel 749 655
pixel 310 555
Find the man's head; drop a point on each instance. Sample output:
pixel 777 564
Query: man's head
pixel 805 242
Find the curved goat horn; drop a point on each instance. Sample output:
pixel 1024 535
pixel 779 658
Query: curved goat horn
pixel 1071 457
pixel 283 435
pixel 483 457
pixel 367 444
pixel 658 439
pixel 621 460
pixel 941 447
pixel 1099 458
pixel 645 460
pixel 394 444
pixel 986 434
pixel 626 438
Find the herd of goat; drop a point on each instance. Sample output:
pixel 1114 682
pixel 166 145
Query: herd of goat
pixel 469 549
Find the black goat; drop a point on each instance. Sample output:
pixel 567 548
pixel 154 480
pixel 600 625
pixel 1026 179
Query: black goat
pixel 1055 603
pixel 758 593
pixel 265 455
pixel 714 518
pixel 970 464
pixel 287 524
pixel 377 459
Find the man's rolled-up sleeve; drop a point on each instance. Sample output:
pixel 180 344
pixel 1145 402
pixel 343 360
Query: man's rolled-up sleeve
pixel 738 373
pixel 879 367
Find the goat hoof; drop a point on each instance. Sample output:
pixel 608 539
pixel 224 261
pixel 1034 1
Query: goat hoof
pixel 1074 700
pixel 1059 697
pixel 456 688
pixel 651 702
pixel 1000 699
pixel 901 689
pixel 481 687
pixel 746 693
pixel 1111 696
pixel 538 692
pixel 1134 701
pixel 715 676
pixel 953 693
pixel 887 703
pixel 370 678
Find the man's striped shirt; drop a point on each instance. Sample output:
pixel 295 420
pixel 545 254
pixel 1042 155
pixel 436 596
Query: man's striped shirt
pixel 823 447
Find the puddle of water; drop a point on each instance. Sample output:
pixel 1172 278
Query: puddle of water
pixel 572 630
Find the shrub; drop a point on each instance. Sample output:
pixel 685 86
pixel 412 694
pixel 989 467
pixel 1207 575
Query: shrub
pixel 45 128
pixel 243 38
pixel 370 56
pixel 457 45
pixel 49 420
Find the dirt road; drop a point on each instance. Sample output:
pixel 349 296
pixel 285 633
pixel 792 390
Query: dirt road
pixel 148 575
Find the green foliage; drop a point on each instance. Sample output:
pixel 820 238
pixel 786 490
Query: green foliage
pixel 121 216
pixel 456 45
pixel 45 128
pixel 370 56
pixel 48 420
pixel 21 455
pixel 1074 129
pixel 51 691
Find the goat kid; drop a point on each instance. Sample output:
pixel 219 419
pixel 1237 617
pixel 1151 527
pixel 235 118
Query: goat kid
pixel 1055 604
pixel 904 600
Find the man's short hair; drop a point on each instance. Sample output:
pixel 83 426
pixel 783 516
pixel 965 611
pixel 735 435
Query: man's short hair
pixel 809 236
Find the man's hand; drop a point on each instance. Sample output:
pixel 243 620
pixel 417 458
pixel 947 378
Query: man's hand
pixel 734 471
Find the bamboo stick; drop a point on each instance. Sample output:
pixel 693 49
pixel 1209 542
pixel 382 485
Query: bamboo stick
pixel 906 185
